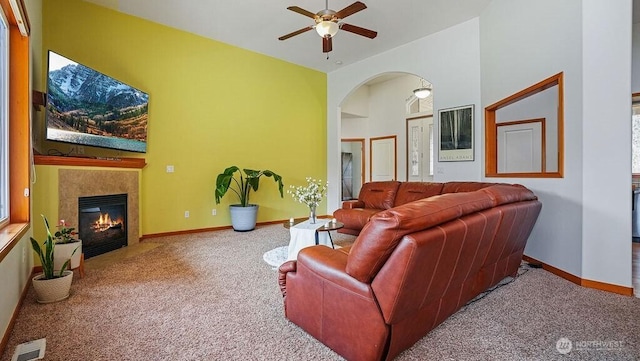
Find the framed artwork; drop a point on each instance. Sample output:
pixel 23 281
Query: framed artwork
pixel 456 134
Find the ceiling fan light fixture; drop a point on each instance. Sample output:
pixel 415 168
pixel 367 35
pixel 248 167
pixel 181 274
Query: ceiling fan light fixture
pixel 327 28
pixel 422 93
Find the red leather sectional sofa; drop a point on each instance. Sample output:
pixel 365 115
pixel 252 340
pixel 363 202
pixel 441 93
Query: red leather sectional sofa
pixel 411 267
pixel 375 197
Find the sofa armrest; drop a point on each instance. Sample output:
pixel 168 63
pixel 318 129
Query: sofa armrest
pixel 330 265
pixel 289 266
pixel 333 307
pixel 352 204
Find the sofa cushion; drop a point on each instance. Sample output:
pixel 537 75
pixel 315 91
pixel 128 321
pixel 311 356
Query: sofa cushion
pixel 504 194
pixel 412 191
pixel 381 235
pixel 355 218
pixel 379 195
pixel 454 187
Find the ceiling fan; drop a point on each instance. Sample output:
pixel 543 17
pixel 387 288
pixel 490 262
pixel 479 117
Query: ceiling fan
pixel 327 23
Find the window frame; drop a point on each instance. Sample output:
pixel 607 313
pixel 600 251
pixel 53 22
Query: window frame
pixel 19 112
pixel 5 203
pixel 635 102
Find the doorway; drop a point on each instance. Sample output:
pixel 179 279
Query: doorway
pixel 420 149
pixel 352 164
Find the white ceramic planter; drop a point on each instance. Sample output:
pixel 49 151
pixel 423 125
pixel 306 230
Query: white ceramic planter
pixel 56 289
pixel 243 218
pixel 62 253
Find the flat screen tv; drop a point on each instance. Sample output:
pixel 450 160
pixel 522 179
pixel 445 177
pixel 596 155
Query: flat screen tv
pixel 86 107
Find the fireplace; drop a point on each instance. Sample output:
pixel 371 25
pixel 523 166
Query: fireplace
pixel 102 223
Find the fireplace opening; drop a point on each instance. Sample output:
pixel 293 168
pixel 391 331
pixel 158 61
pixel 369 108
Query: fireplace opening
pixel 102 223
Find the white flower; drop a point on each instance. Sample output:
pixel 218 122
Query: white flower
pixel 311 194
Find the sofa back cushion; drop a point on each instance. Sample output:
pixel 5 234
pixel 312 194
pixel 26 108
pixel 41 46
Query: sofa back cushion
pixel 454 187
pixel 427 264
pixel 504 194
pixel 379 195
pixel 381 235
pixel 412 191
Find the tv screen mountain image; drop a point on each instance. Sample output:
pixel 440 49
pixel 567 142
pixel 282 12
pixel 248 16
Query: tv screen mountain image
pixel 87 107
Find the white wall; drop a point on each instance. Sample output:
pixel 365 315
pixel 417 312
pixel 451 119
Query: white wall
pixel 585 224
pixel 522 43
pixel 358 104
pixel 15 270
pixel 606 72
pixel 388 114
pixel 448 59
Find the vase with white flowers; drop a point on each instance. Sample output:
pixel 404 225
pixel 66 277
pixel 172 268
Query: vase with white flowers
pixel 311 195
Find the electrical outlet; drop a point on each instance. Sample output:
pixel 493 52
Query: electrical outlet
pixel 440 170
pixel 169 169
pixel 80 149
pixel 186 214
pixel 214 212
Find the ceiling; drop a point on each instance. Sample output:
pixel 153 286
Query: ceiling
pixel 256 24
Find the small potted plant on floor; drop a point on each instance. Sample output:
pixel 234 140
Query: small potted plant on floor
pixel 67 247
pixel 244 214
pixel 51 285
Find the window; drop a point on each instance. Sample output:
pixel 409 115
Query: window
pixel 635 144
pixel 431 149
pixel 525 132
pixel 4 121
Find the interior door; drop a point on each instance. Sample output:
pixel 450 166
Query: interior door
pixel 383 158
pixel 521 146
pixel 419 149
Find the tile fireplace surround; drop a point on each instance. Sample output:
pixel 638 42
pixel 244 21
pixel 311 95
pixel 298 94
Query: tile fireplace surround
pixel 74 183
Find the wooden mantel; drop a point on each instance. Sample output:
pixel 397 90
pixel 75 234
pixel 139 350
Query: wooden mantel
pixel 138 163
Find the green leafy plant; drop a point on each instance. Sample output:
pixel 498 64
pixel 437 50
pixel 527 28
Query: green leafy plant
pixel 243 183
pixel 64 234
pixel 45 253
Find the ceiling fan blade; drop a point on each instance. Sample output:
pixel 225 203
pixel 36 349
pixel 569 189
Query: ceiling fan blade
pixel 327 44
pixel 285 37
pixel 358 30
pixel 351 9
pixel 302 11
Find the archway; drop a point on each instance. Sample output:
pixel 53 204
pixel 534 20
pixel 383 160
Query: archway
pixel 381 107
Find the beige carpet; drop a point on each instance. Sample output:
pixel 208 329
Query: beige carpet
pixel 210 296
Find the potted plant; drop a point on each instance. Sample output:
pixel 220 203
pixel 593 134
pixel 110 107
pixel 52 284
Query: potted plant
pixel 310 195
pixel 51 285
pixel 244 214
pixel 67 247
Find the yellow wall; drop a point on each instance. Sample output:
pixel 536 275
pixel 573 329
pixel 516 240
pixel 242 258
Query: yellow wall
pixel 211 105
